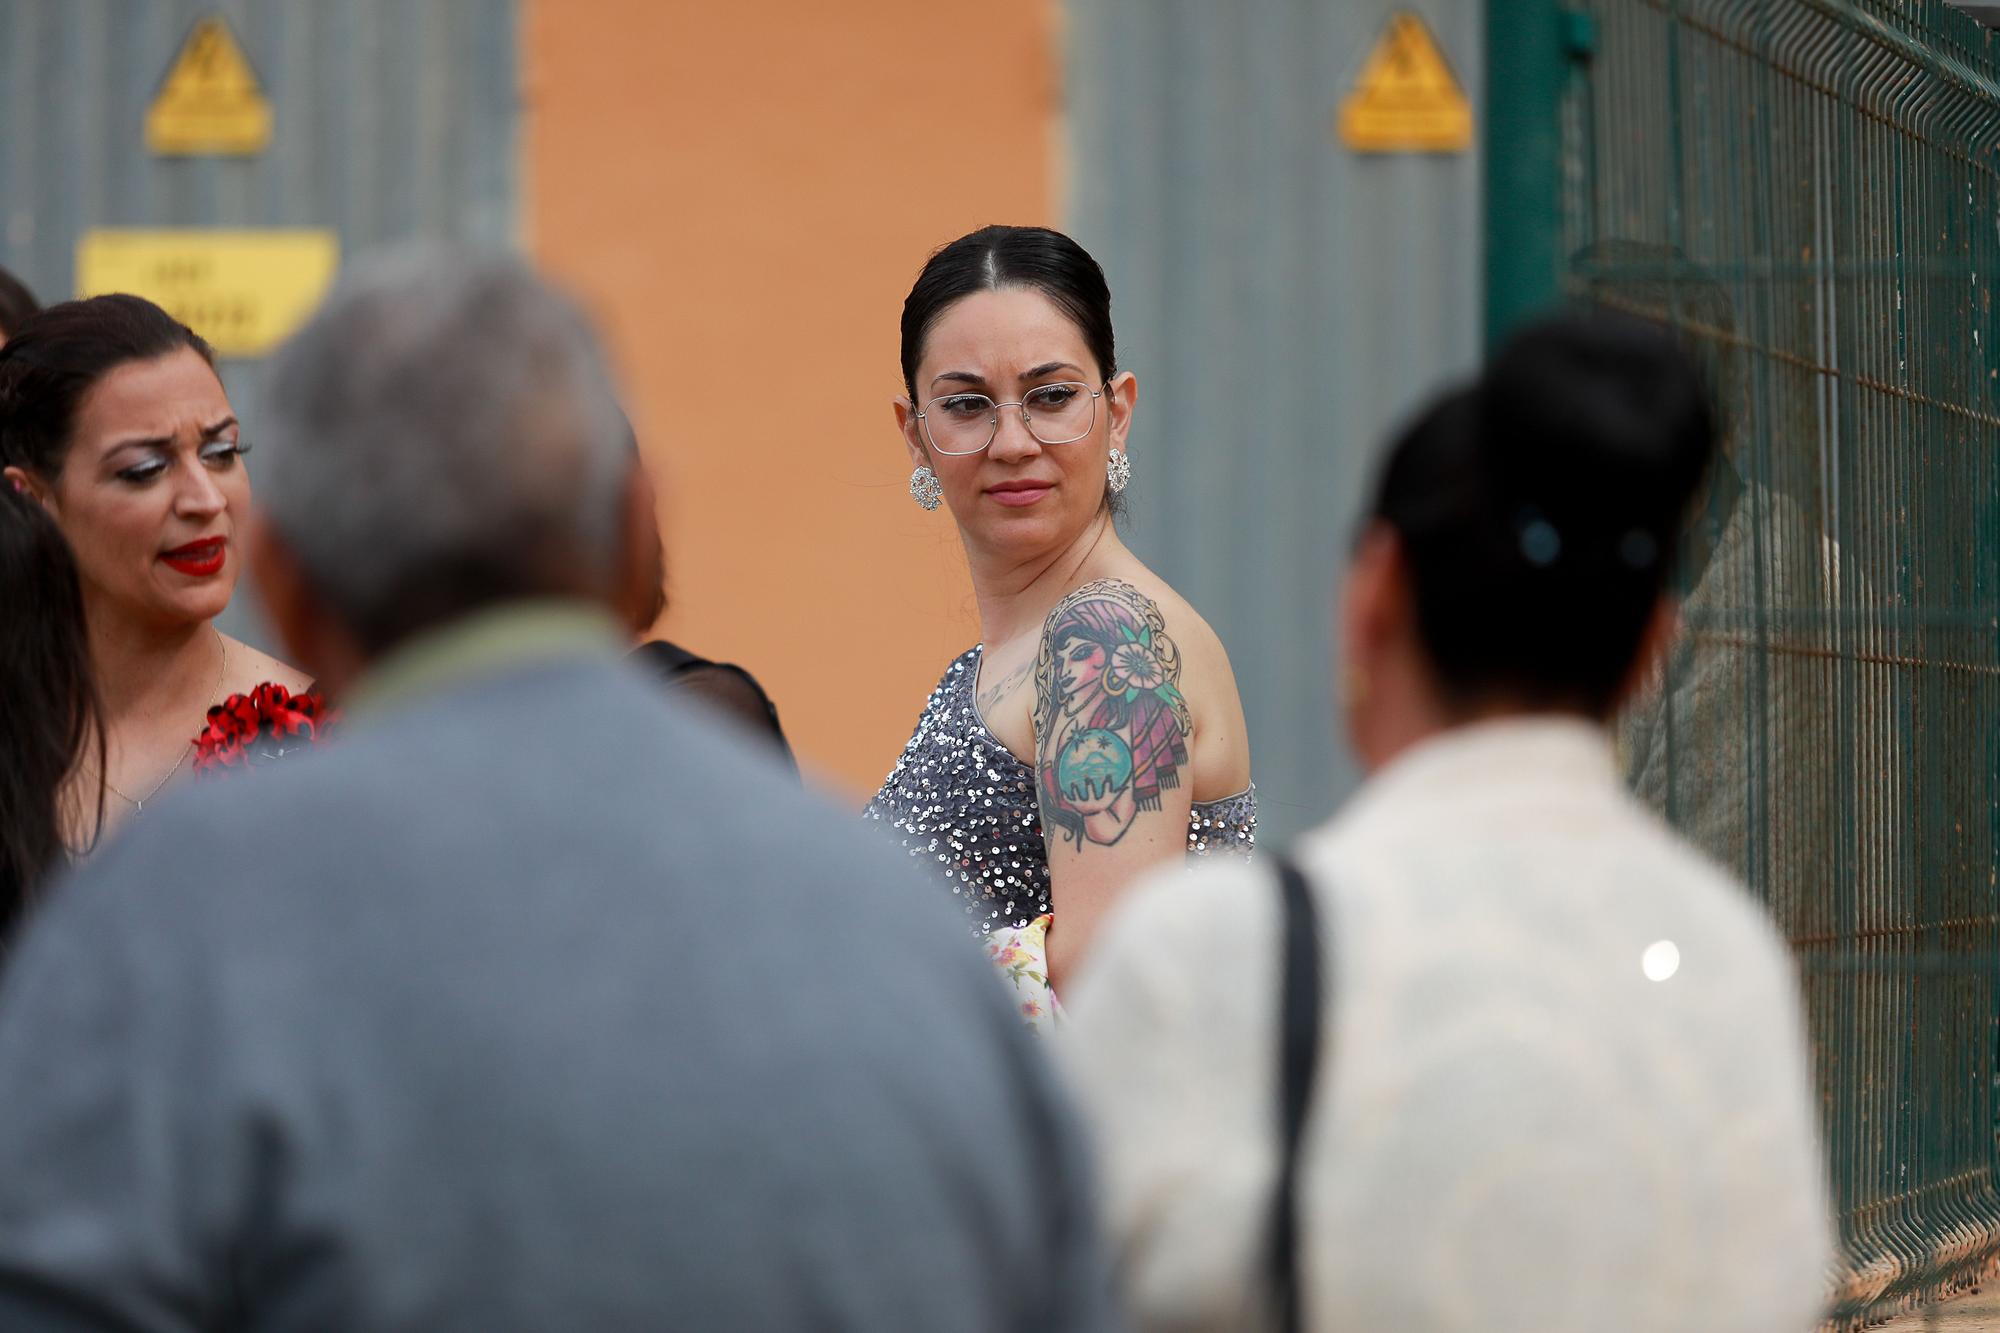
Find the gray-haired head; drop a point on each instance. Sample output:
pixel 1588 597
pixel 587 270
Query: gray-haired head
pixel 444 435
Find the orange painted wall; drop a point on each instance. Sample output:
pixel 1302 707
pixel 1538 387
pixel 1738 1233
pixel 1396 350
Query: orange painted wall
pixel 742 195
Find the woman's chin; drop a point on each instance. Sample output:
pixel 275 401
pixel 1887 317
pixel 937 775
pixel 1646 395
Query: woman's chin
pixel 1026 530
pixel 191 607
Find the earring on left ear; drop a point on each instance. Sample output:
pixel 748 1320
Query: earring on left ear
pixel 1118 471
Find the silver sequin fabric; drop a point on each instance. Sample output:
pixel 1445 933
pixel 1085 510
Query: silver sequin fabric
pixel 961 803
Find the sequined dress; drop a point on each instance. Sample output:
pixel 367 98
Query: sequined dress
pixel 960 801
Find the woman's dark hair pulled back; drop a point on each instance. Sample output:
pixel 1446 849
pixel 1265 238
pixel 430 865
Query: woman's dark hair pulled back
pixel 17 304
pixel 52 361
pixel 1540 510
pixel 50 717
pixel 996 257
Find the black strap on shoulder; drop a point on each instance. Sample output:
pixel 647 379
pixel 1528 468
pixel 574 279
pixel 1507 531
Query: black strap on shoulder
pixel 677 667
pixel 667 659
pixel 1298 1054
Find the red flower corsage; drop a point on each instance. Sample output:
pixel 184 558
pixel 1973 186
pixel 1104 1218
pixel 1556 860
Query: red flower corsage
pixel 246 730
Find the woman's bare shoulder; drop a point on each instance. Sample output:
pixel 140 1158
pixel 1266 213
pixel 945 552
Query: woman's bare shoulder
pixel 1200 646
pixel 248 668
pixel 1155 641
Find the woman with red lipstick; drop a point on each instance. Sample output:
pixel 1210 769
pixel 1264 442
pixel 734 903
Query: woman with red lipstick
pixel 1094 731
pixel 113 419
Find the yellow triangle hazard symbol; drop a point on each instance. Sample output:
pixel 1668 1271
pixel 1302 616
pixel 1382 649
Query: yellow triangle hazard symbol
pixel 210 102
pixel 1406 99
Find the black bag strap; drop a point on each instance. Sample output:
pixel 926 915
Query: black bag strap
pixel 1298 1054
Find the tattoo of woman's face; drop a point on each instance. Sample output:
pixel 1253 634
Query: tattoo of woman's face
pixel 1111 725
pixel 1080 665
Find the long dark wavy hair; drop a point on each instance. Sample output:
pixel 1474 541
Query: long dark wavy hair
pixel 50 721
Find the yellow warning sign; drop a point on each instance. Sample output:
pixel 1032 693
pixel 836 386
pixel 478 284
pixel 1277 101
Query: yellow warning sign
pixel 1406 100
pixel 244 291
pixel 210 102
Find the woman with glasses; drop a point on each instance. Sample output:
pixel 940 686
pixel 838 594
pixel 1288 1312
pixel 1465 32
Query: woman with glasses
pixel 1094 731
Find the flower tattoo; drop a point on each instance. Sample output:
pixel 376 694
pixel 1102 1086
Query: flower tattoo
pixel 1135 668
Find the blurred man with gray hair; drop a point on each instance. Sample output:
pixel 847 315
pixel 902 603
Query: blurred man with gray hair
pixel 532 1002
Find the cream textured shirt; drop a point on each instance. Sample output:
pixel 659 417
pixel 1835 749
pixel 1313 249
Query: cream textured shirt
pixel 1563 1083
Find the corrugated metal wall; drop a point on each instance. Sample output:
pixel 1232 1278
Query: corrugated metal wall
pixel 393 118
pixel 1283 301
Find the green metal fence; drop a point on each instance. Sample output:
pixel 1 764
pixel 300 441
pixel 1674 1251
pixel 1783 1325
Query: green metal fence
pixel 1810 189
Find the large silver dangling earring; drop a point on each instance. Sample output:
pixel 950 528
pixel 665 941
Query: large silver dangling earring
pixel 925 488
pixel 1118 471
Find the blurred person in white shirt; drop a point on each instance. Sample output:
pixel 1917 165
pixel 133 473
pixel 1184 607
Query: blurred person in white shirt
pixel 1555 1074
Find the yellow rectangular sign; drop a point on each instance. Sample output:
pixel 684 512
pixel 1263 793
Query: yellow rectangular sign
pixel 244 291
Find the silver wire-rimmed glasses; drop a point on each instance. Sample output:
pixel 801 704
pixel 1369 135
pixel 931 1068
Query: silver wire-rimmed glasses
pixel 965 423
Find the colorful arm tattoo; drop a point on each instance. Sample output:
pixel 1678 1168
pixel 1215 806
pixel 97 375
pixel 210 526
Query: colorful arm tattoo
pixel 1111 725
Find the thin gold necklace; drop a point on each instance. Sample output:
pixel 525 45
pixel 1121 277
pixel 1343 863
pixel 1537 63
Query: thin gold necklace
pixel 138 804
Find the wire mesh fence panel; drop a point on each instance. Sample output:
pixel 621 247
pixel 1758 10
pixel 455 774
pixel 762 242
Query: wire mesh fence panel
pixel 1808 190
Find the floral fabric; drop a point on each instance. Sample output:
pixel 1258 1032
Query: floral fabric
pixel 1021 955
pixel 248 730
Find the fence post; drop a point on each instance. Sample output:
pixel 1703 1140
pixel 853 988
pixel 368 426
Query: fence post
pixel 1527 67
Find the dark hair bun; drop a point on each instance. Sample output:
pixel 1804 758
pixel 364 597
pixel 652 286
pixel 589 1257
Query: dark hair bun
pixel 1541 508
pixel 1600 427
pixel 995 257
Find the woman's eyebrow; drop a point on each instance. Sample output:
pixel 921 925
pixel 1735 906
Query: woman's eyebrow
pixel 166 441
pixel 139 442
pixel 970 377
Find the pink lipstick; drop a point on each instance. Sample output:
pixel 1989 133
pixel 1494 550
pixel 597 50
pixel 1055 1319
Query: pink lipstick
pixel 1017 494
pixel 198 560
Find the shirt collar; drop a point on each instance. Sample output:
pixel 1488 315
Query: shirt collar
pixel 486 642
pixel 1523 750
